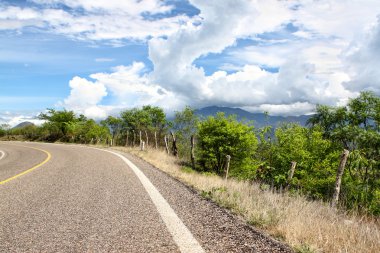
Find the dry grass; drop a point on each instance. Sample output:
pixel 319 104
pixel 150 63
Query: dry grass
pixel 308 226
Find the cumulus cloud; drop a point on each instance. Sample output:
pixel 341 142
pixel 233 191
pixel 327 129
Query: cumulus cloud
pixel 129 86
pixel 85 97
pixel 309 60
pixel 301 52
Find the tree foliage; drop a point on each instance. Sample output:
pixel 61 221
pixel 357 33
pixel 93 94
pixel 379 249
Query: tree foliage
pixel 356 127
pixel 220 136
pixel 185 125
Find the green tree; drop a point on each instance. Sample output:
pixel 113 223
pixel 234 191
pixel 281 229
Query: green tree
pixel 3 129
pixel 356 128
pixel 114 124
pixel 57 123
pixel 185 125
pixel 220 136
pixel 148 119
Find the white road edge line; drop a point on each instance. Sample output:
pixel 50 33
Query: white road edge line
pixel 180 233
pixel 2 154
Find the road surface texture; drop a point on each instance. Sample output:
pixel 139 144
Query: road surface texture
pixel 65 198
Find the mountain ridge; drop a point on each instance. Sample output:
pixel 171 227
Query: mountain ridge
pixel 259 119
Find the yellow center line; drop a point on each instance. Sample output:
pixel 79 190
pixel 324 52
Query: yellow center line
pixel 31 169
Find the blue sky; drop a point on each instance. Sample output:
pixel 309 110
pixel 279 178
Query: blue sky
pixel 100 57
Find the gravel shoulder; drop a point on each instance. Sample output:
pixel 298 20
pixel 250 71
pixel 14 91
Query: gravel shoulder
pixel 214 227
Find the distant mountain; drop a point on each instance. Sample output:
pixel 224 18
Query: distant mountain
pixel 259 119
pixel 23 124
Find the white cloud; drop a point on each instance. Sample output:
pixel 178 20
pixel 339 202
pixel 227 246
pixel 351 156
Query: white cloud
pixel 363 62
pixel 331 54
pixel 128 86
pixel 295 109
pixel 100 20
pixel 131 7
pixel 15 118
pixel 308 70
pixel 336 18
pixel 85 97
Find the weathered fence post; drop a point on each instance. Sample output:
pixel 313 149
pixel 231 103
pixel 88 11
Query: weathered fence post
pixel 174 146
pixel 291 174
pixel 147 139
pixel 155 139
pixel 142 146
pixel 166 144
pixel 192 156
pixel 228 159
pixel 339 175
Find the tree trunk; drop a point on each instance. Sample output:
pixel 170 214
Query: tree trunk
pixel 134 138
pixel 338 180
pixel 291 174
pixel 126 141
pixel 155 139
pixel 166 144
pixel 140 143
pixel 227 168
pixel 174 146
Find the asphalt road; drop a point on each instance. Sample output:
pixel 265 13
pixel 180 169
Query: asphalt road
pixel 63 198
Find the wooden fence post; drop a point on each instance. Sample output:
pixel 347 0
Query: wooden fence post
pixel 147 139
pixel 174 146
pixel 192 156
pixel 166 144
pixel 142 145
pixel 291 174
pixel 338 180
pixel 228 159
pixel 155 139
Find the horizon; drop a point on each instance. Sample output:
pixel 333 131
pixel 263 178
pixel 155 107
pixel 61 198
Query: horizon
pixel 35 121
pixel 100 57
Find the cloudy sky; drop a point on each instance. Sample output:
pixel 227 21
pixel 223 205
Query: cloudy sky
pixel 99 57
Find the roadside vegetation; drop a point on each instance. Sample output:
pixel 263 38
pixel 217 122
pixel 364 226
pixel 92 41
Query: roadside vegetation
pixel 282 180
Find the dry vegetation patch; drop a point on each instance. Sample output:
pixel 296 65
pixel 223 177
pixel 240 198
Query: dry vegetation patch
pixel 308 226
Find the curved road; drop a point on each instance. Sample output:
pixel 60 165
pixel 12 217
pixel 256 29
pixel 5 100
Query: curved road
pixel 63 198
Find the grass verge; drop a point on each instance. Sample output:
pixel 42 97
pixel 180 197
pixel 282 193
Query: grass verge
pixel 307 226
